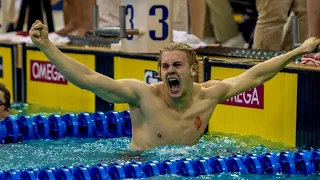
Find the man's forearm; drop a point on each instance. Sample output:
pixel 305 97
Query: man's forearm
pixel 268 69
pixel 72 70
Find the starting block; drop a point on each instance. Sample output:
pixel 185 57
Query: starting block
pixel 145 26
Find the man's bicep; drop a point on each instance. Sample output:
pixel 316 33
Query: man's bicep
pixel 236 85
pixel 128 90
pixel 116 91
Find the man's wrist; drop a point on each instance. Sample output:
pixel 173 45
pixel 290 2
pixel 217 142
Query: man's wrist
pixel 300 50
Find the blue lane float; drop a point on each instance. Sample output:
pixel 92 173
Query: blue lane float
pixel 72 125
pixel 98 172
pixel 218 165
pixel 185 168
pixel 12 174
pixel 315 161
pixel 57 127
pixel 34 170
pixel 28 175
pixel 26 127
pixel 2 175
pixel 288 162
pixel 253 164
pixel 168 167
pixel 81 172
pixel 63 174
pixel 125 115
pixel 150 169
pixel 133 170
pixel 116 171
pixel 201 167
pixel 100 124
pixel 269 163
pixel 302 162
pixel 46 173
pixel 85 125
pixel 115 124
pixel 3 132
pixel 41 127
pixel 12 135
pixel 235 164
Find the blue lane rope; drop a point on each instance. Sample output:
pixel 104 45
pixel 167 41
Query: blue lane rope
pixel 304 162
pixel 113 125
pixel 83 125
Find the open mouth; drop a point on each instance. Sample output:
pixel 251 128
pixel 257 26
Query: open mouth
pixel 174 84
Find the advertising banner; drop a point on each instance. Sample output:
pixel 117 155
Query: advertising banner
pixel 268 111
pixel 45 85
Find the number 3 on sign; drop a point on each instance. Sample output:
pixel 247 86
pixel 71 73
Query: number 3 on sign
pixel 165 28
pixel 129 8
pixel 153 20
pixel 152 12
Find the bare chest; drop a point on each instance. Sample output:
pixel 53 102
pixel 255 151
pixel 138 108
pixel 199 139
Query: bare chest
pixel 179 130
pixel 168 126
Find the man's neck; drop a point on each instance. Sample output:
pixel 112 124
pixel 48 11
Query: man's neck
pixel 179 104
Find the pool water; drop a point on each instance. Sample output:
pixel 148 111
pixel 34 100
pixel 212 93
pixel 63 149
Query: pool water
pixel 19 108
pixel 75 151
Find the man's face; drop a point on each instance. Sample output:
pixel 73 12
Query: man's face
pixel 176 73
pixel 4 111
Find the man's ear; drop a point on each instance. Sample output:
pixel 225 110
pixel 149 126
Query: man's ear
pixel 193 70
pixel 159 73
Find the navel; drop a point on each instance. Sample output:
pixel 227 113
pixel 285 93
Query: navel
pixel 159 135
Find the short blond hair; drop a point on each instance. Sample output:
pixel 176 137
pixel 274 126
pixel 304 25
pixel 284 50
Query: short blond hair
pixel 190 52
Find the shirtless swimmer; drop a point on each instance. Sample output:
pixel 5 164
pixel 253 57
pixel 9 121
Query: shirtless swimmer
pixel 175 111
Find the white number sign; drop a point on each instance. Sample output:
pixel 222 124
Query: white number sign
pixel 153 19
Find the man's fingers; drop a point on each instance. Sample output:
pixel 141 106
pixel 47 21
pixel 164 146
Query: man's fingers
pixel 35 33
pixel 38 21
pixel 38 26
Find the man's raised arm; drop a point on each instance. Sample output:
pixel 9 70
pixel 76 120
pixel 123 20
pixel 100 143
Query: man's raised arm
pixel 116 91
pixel 264 71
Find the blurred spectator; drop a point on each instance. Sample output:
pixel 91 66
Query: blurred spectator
pixel 78 17
pixel 314 31
pixel 314 18
pixel 197 14
pixel 108 13
pixel 220 26
pixel 273 30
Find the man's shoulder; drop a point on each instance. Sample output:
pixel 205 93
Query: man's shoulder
pixel 153 87
pixel 156 86
pixel 212 88
pixel 211 83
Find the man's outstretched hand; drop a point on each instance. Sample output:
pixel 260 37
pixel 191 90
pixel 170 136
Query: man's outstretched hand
pixel 310 44
pixel 39 34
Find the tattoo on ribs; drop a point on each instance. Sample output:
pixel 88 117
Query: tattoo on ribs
pixel 197 123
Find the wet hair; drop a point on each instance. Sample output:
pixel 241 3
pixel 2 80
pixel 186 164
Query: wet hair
pixel 7 95
pixel 190 52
